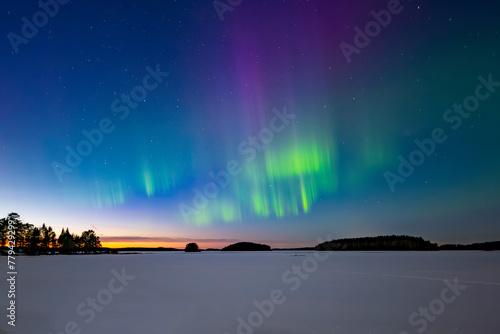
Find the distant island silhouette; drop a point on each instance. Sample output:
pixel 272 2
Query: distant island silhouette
pixel 246 247
pixel 24 238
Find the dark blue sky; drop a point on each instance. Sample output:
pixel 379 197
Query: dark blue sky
pixel 156 122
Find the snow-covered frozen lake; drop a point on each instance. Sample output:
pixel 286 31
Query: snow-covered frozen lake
pixel 258 292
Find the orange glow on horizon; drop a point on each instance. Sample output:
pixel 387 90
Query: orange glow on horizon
pixel 155 244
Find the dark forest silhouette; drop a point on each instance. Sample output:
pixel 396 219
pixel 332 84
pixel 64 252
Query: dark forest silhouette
pixel 398 243
pixel 387 242
pixel 33 240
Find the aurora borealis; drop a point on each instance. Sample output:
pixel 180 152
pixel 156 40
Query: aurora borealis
pixel 267 93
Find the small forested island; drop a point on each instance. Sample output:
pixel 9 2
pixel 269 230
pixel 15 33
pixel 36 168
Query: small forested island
pixel 246 246
pixel 192 247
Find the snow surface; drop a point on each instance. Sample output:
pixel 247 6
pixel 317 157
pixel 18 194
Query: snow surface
pixel 349 292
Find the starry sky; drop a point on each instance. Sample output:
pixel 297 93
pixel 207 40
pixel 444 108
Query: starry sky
pixel 156 123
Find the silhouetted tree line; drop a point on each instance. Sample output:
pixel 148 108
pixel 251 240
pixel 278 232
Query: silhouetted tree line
pixel 42 240
pixel 386 242
pixel 487 246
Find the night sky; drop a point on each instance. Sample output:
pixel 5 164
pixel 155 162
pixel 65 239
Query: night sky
pixel 157 123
